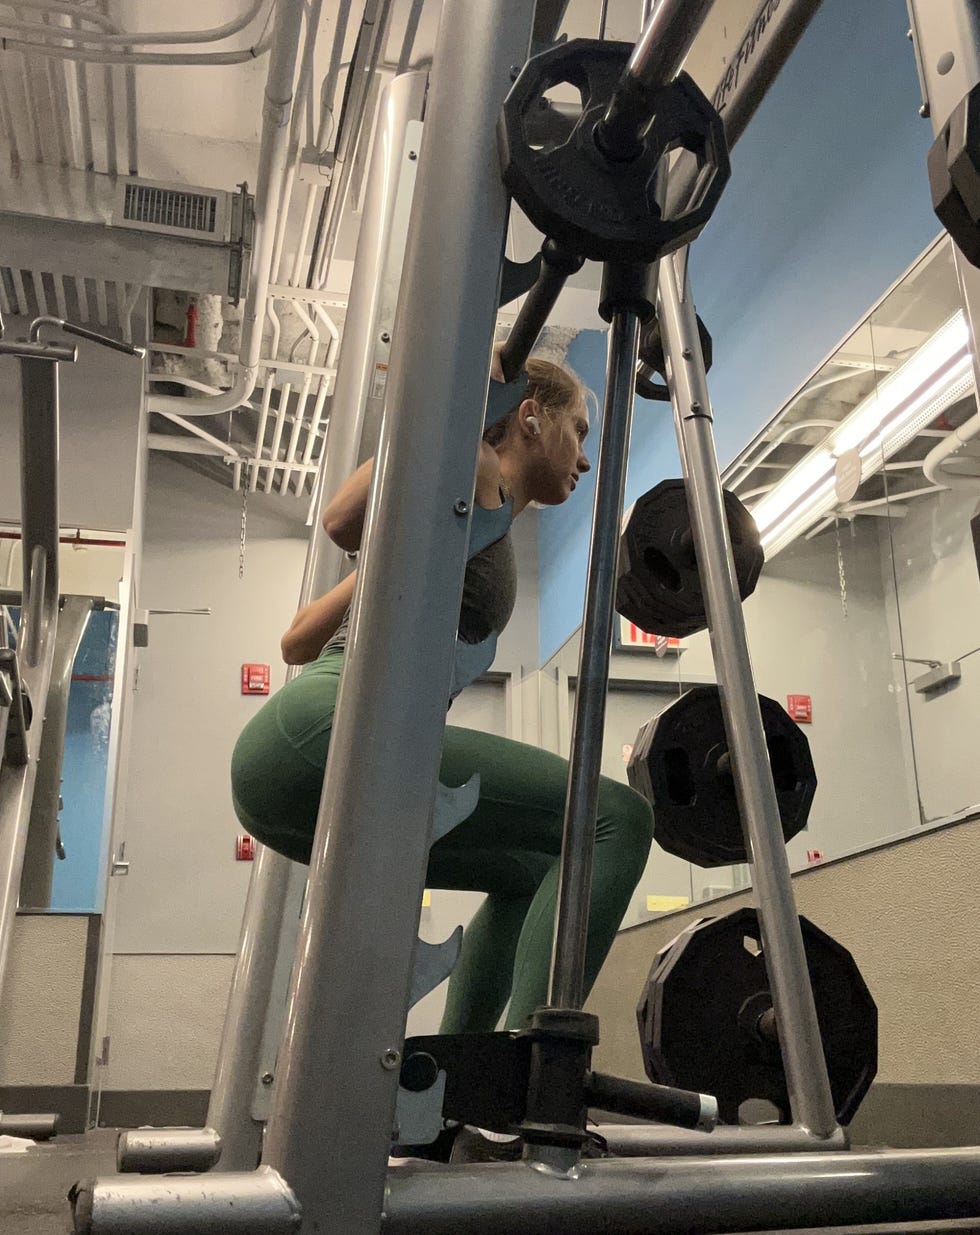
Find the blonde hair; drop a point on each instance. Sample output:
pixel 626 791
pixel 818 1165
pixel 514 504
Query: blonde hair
pixel 555 390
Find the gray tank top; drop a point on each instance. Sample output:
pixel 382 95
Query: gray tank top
pixel 489 593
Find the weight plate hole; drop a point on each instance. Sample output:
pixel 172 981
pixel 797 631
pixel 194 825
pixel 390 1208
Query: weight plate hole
pixel 781 760
pixel 566 97
pixel 680 782
pixel 752 945
pixel 661 569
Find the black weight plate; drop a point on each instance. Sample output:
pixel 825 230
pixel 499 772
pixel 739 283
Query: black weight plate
pixel 698 1036
pixel 675 766
pixel 659 587
pixel 603 209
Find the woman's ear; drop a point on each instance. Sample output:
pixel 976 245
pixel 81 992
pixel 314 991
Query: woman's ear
pixel 529 418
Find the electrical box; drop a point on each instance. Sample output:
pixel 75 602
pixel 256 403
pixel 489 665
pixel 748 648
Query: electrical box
pixel 255 679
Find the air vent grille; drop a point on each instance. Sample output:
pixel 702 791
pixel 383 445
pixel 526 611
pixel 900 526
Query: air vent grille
pixel 171 208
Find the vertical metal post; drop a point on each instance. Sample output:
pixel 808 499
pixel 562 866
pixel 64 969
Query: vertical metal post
pixel 39 615
pixel 575 873
pixel 334 1101
pixel 796 1017
pixel 270 925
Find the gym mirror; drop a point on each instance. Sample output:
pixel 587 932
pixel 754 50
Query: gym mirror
pixel 868 606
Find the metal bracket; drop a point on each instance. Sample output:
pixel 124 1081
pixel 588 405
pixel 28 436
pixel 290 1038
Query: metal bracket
pixel 470 660
pixel 240 249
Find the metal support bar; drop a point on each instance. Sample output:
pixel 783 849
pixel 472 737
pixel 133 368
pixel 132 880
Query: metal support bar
pixel 666 39
pixel 643 1140
pixel 771 36
pixel 241 1203
pixel 31 1127
pixel 799 1031
pixel 334 1100
pixel 575 872
pixel 557 266
pixel 686 1196
pixel 38 873
pixel 38 619
pixel 156 1150
pixel 367 50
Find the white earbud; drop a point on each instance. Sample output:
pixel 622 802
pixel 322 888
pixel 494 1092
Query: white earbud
pixel 534 425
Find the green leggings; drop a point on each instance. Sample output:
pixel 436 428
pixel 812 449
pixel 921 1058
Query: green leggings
pixel 509 847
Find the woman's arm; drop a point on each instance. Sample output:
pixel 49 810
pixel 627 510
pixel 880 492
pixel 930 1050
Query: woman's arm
pixel 343 519
pixel 316 623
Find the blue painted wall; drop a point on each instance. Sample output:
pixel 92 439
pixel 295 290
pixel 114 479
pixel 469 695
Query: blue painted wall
pixel 827 205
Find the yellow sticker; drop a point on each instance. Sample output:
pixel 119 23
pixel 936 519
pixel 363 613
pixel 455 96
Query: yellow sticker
pixel 664 904
pixel 426 899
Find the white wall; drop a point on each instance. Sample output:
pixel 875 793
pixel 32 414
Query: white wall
pixel 101 398
pixel 939 606
pixel 185 891
pixel 800 643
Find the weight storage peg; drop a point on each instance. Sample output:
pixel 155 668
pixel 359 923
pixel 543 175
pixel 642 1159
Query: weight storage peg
pixel 681 765
pixel 601 207
pixel 652 355
pixel 706 1018
pixel 659 587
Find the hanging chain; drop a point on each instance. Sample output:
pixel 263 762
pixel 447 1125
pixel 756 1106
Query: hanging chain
pixel 840 569
pixel 246 480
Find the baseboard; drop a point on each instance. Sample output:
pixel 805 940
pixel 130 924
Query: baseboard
pixel 158 1108
pixel 918 1116
pixel 68 1102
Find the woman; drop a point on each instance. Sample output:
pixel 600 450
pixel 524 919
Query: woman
pixel 510 846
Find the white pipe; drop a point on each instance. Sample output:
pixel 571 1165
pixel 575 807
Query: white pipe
pixel 932 464
pixel 175 444
pixel 299 420
pixel 167 38
pixel 203 434
pixel 273 153
pixel 241 56
pixel 331 357
pixel 270 381
pixel 281 408
pixel 311 436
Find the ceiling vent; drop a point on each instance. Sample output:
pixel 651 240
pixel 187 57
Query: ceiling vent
pixel 178 210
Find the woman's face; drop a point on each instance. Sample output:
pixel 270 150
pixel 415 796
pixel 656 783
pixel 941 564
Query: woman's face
pixel 562 458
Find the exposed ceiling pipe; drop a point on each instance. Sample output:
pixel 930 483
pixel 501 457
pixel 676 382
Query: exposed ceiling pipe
pixel 933 464
pixel 273 159
pixel 367 52
pixel 168 38
pixel 241 56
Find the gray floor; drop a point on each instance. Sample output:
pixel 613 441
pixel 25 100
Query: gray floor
pixel 34 1185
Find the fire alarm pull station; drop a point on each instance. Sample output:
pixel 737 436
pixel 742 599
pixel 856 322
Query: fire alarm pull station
pixel 245 848
pixel 255 679
pixel 800 708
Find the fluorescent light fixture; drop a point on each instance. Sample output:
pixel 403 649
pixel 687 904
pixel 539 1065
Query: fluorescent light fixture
pixel 938 374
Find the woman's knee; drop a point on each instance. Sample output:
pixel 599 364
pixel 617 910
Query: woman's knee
pixel 626 819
